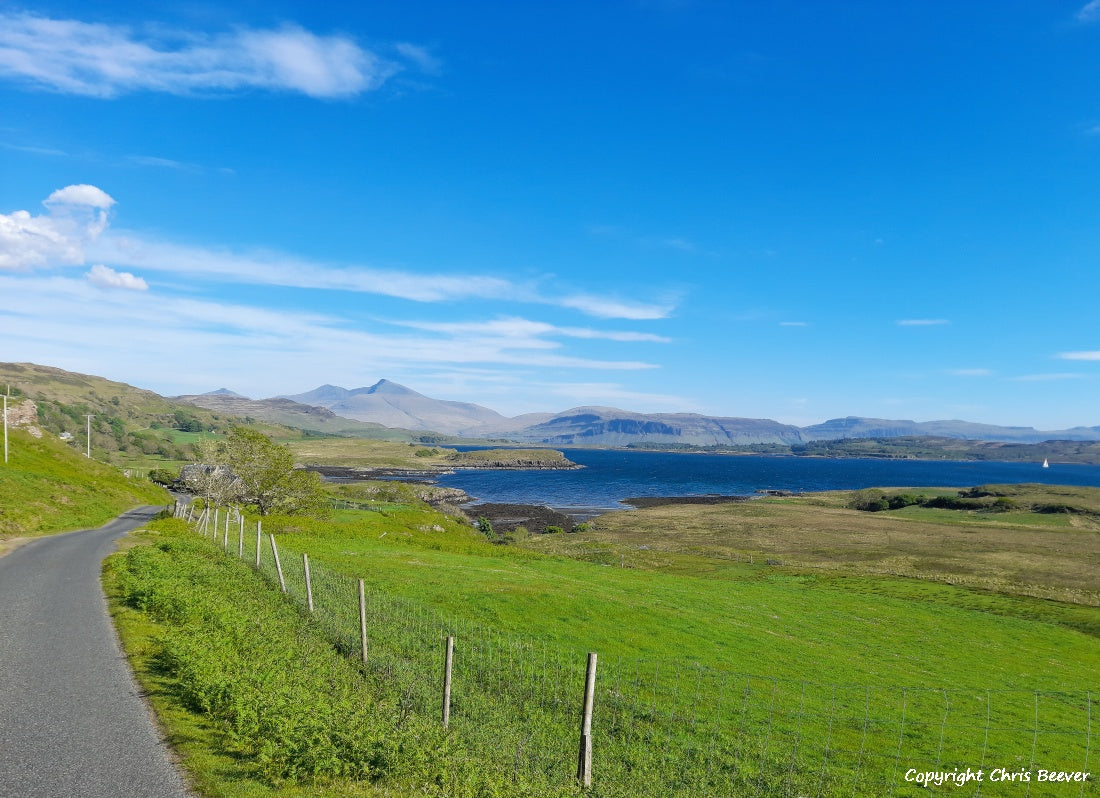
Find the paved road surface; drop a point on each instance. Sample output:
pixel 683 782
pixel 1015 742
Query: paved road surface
pixel 72 723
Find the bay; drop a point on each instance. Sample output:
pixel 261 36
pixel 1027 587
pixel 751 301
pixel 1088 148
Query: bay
pixel 609 476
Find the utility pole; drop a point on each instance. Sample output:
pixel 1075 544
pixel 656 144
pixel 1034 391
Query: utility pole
pixel 89 416
pixel 6 427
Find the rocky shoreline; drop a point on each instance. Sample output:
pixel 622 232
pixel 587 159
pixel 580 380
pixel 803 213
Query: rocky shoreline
pixel 506 517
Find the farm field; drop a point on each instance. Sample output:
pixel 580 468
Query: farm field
pixel 717 675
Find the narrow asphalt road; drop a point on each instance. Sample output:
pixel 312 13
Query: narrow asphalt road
pixel 72 722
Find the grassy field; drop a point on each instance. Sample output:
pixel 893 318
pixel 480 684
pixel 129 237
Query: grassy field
pixel 1021 553
pixel 790 622
pixel 718 677
pixel 48 487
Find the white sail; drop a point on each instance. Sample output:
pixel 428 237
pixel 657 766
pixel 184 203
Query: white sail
pixel 1045 463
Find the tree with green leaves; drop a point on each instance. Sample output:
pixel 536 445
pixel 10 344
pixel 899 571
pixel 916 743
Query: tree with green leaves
pixel 264 475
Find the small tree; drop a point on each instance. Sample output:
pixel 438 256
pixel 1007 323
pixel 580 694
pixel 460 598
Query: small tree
pixel 485 527
pixel 260 472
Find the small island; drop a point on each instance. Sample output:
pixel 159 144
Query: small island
pixel 343 459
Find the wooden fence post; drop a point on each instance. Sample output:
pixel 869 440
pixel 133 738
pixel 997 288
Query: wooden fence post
pixel 448 662
pixel 240 539
pixel 278 565
pixel 363 620
pixel 214 528
pixel 259 542
pixel 225 537
pixel 309 583
pixel 584 759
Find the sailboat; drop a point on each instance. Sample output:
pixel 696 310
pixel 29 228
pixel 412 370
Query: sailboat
pixel 1045 463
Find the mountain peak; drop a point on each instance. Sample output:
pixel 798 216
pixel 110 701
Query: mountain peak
pixel 384 386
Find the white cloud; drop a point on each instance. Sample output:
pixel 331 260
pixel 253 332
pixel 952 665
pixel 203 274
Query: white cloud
pixel 1090 12
pixel 81 194
pixel 105 277
pixel 76 215
pixel 609 308
pixel 922 322
pixel 420 56
pixel 970 372
pixel 256 348
pixel 70 233
pixel 274 268
pixel 101 60
pixel 793 324
pixel 1095 355
pixel 519 329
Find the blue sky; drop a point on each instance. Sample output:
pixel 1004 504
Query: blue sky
pixel 793 210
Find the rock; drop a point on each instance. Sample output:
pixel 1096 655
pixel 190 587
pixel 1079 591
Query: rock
pixel 23 415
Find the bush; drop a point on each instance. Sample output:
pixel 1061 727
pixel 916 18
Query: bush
pixel 163 476
pixel 485 527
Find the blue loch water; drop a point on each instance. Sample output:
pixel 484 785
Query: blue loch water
pixel 609 476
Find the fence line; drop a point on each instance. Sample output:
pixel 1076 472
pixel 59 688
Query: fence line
pixel 675 728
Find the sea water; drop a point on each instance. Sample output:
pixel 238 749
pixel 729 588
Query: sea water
pixel 610 476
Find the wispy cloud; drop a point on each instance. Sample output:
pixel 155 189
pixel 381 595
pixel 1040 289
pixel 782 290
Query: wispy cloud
pixel 922 322
pixel 224 338
pixel 420 56
pixel 273 268
pixel 1090 12
pixel 611 308
pixel 970 372
pixel 516 329
pixel 794 324
pixel 34 150
pixel 1093 355
pixel 101 60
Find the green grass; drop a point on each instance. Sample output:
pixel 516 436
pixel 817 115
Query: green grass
pixel 47 487
pixel 750 680
pixel 1035 554
pixel 718 676
pixel 748 618
pixel 289 716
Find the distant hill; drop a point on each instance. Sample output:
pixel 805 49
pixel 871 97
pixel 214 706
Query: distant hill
pixel 394 405
pixel 857 427
pixel 131 420
pixel 608 426
pixel 289 413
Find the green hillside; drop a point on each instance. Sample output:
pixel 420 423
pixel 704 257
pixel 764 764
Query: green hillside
pixel 47 487
pixel 130 427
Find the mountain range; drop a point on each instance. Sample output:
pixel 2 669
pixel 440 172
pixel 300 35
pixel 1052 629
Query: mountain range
pixel 392 405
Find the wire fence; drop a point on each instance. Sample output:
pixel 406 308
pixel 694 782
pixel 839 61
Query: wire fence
pixel 680 729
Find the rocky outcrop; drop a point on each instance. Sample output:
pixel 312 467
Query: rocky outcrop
pixel 24 415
